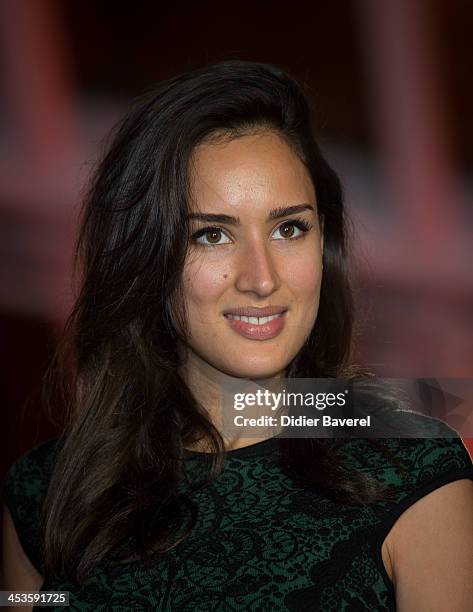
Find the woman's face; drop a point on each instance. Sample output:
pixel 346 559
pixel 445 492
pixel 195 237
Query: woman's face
pixel 261 260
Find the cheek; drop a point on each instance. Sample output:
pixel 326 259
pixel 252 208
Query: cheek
pixel 305 278
pixel 204 284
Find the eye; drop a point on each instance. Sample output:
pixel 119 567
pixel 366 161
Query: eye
pixel 300 224
pixel 213 233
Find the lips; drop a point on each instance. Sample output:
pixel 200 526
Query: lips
pixel 251 311
pixel 255 331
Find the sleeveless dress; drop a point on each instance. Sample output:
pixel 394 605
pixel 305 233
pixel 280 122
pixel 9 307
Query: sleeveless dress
pixel 261 542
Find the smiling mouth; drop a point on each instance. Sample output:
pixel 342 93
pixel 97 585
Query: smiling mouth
pixel 257 328
pixel 255 320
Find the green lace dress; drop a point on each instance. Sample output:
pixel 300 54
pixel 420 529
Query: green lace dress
pixel 261 542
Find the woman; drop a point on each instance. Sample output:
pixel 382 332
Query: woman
pixel 213 202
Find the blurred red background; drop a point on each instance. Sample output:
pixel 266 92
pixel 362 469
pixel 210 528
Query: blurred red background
pixel 393 93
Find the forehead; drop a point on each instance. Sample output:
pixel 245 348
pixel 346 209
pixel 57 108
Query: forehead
pixel 260 168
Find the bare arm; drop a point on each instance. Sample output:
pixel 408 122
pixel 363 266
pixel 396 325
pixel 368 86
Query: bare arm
pixel 18 571
pixel 431 549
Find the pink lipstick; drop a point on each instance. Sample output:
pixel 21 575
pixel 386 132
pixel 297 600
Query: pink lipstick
pixel 257 323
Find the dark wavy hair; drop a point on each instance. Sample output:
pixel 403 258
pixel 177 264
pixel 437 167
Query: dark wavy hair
pixel 128 414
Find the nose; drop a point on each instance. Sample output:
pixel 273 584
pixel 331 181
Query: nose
pixel 257 271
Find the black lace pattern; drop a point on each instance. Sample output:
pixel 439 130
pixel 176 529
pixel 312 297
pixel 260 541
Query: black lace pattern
pixel 261 542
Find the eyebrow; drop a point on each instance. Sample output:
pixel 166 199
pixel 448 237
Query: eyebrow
pixel 276 213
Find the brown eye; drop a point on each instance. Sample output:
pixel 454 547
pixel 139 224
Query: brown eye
pixel 213 235
pixel 287 230
pixel 210 236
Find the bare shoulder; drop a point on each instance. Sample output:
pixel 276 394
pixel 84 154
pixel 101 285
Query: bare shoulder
pixel 428 553
pixel 19 572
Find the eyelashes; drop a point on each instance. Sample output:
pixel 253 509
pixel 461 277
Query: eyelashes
pixel 301 224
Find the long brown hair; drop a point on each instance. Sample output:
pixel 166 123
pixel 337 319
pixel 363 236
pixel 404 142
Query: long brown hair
pixel 129 413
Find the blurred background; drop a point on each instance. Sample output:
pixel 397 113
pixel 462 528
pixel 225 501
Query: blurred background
pixel 391 82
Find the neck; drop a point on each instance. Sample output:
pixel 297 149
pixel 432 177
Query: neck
pixel 210 387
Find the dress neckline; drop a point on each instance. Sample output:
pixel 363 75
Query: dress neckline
pixel 251 450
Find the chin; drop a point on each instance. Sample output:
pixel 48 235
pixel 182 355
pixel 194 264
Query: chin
pixel 256 371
